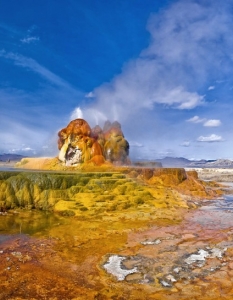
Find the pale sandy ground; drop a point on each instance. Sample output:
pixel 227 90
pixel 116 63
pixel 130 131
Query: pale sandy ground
pixel 216 174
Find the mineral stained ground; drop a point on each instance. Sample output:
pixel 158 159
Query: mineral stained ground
pixel 131 233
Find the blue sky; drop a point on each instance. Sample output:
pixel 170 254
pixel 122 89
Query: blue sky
pixel 164 69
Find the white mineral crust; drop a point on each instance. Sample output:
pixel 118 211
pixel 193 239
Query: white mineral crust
pixel 197 257
pixel 202 255
pixel 113 266
pixel 216 252
pixel 156 242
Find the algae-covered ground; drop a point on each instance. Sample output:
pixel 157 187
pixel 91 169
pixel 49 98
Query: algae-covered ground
pixel 66 227
pixel 85 193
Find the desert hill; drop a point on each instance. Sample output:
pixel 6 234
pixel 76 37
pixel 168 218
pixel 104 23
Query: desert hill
pixel 10 157
pixel 181 162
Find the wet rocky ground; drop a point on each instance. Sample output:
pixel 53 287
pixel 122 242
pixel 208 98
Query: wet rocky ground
pixel 192 260
pixel 131 253
pixel 75 260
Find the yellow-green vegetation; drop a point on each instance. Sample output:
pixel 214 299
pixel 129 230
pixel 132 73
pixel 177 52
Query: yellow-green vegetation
pixel 89 193
pixel 130 193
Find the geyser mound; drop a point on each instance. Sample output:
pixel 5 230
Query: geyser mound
pixel 78 144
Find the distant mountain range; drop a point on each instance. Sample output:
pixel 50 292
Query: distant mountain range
pixel 10 157
pixel 181 162
pixel 166 162
pixel 186 163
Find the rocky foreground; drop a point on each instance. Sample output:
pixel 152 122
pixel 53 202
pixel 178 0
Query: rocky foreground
pixel 126 233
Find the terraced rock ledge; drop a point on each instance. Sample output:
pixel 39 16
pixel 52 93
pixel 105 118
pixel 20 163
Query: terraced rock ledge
pixel 123 233
pixel 91 193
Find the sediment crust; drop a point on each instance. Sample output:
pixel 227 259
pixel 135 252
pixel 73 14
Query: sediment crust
pixel 120 233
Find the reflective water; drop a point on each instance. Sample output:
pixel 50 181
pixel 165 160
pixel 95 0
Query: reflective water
pixel 225 203
pixel 216 213
pixel 28 222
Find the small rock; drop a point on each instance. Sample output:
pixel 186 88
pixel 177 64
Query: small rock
pixel 17 254
pixel 177 270
pixel 171 278
pixel 165 284
pixel 155 242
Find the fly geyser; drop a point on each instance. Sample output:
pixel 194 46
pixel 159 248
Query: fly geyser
pixel 78 143
pixel 107 230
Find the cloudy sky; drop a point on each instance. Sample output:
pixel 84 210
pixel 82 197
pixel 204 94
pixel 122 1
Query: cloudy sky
pixel 164 69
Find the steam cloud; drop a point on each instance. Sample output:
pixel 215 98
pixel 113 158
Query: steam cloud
pixel 174 70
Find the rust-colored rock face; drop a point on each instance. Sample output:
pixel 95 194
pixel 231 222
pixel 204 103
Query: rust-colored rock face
pixel 78 143
pixel 75 127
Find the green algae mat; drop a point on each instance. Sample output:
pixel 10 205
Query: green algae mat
pixel 86 193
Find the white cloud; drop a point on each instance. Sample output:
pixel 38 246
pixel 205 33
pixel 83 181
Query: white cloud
pixel 212 87
pixel 212 123
pixel 136 144
pixel 27 149
pixel 196 119
pixel 31 36
pixel 211 138
pixel 170 71
pixel 30 39
pixel 207 123
pixel 90 95
pixel 185 144
pixel 33 65
pixel 180 98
